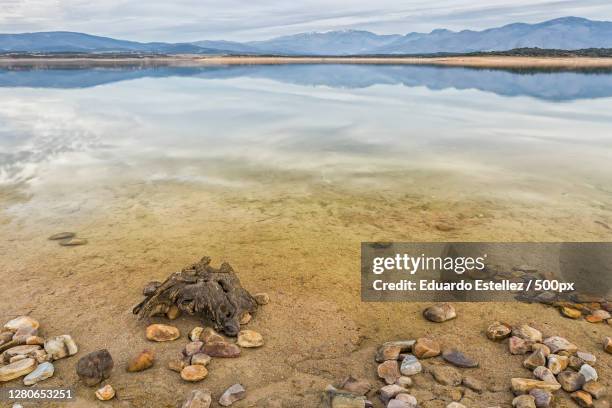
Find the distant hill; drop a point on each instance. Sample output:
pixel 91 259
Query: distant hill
pixel 568 33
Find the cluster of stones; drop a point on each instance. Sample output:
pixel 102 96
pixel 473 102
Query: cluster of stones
pixel 26 353
pixel 595 311
pixel 556 364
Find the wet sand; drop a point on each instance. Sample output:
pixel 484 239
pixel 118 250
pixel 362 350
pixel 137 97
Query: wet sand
pixel 299 245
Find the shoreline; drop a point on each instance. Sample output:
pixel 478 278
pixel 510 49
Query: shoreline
pixel 194 61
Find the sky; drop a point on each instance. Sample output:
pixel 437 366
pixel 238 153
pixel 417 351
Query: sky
pixel 244 20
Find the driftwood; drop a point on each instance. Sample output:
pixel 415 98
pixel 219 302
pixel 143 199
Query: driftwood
pixel 200 289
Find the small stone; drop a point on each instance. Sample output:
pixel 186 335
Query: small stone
pixel 389 371
pixel 249 339
pixel 544 374
pixel 194 373
pixel 105 393
pixel 387 352
pixel 245 318
pixel 178 363
pixel 223 350
pixel 150 288
pixel 498 331
pixel 426 348
pixel 234 393
pixel 62 235
pixel 195 333
pixel 41 356
pixel 586 357
pixel 588 372
pixel 403 400
pixel 607 345
pixel 17 369
pixel 340 399
pixel 459 359
pixel 262 298
pixel 141 362
pixel 604 314
pixel 41 373
pixel 389 392
pixel 582 398
pixel 455 405
pixel 173 312
pixel 524 385
pixel 524 401
pixel 570 312
pixel 34 340
pixel 198 399
pixel 23 324
pixel 162 332
pixel 404 381
pixel 410 366
pixel 192 348
pixel 518 346
pixel 557 363
pixel 440 312
pixel 95 367
pixel 542 398
pixel 356 386
pixel 200 359
pixel 473 384
pixel 446 375
pixel 570 380
pixel 536 359
pixel 540 346
pixel 25 351
pixel 596 389
pixel 528 333
pixel 70 242
pixel 556 344
pixel 209 336
pixel 593 319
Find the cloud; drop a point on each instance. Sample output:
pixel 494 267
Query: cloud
pixel 188 20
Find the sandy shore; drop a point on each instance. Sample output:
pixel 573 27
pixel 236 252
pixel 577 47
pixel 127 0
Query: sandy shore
pixel 190 60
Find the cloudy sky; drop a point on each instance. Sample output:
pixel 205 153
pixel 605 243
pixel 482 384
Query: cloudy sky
pixel 190 20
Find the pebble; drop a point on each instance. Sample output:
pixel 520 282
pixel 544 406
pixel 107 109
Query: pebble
pixel 603 314
pixel 498 331
pixel 355 385
pixel 177 364
pixel 426 348
pixel 25 351
pixel 95 367
pixel 340 399
pixel 440 312
pixel 41 373
pixel 245 318
pixel 141 362
pixel 60 346
pixel 455 405
pixel 22 323
pixel 410 366
pixel 459 359
pixel 249 339
pixel 200 359
pixel 557 363
pixel 524 401
pixel 262 298
pixel 192 348
pixel 162 332
pixel 446 375
pixel 528 333
pixel 70 242
pixel 540 346
pixel 404 381
pixel 410 399
pixel 556 344
pixel 586 357
pixel 62 235
pixel 389 392
pixel 194 373
pixel 570 380
pixel 607 345
pixel 582 398
pixel 518 346
pixel 387 352
pixel 524 385
pixel 473 384
pixel 536 359
pixel 588 372
pixel 198 399
pixel 234 393
pixel 210 335
pixel 389 371
pixel 544 374
pixel 542 398
pixel 399 403
pixel 223 350
pixel 570 312
pixel 17 369
pixel 195 333
pixel 173 312
pixel 596 389
pixel 105 393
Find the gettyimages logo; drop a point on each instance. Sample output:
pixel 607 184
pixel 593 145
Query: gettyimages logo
pixel 540 272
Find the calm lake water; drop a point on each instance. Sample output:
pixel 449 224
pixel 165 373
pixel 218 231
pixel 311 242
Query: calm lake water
pixel 533 138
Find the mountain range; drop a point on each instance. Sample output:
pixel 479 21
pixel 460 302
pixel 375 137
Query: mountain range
pixel 567 33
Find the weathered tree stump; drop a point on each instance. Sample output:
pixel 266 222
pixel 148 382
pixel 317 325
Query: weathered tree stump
pixel 200 289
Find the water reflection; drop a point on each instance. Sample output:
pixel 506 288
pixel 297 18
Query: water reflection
pixel 553 85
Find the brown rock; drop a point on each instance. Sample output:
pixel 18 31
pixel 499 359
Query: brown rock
pixel 198 399
pixel 162 332
pixel 540 346
pixel 24 324
pixel 473 384
pixel 223 350
pixel 607 345
pixel 200 359
pixel 388 352
pixel 426 348
pixel 173 312
pixel 179 362
pixel 570 312
pixel 389 371
pixel 517 346
pixel 193 373
pixel 536 359
pixel 524 401
pixel 542 398
pixel 209 336
pixel 141 362
pixel 524 385
pixel 582 398
pixel 575 362
pixel 262 298
pixel 17 369
pixel 249 339
pixel 356 386
pixel 446 375
pixel 388 392
pixel 498 331
pixel 245 318
pixel 105 393
pixel 234 393
pixel 544 374
pixel 440 312
pixel 570 380
pixel 95 367
pixel 194 334
pixel 459 359
pixel 595 388
pixel 556 344
pixel 528 333
pixel 557 363
pixel 192 348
